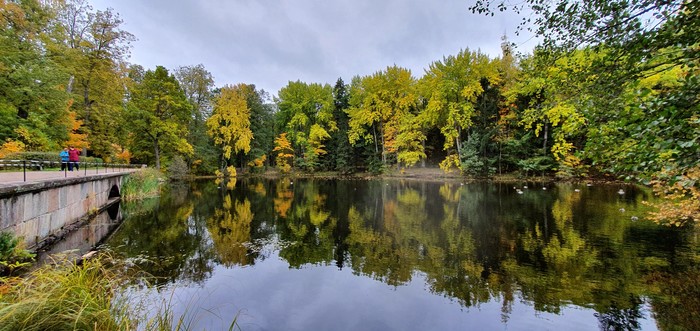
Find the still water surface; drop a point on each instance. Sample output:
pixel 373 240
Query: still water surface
pixel 412 255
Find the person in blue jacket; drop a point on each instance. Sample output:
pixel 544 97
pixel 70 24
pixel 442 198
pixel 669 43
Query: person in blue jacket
pixel 64 158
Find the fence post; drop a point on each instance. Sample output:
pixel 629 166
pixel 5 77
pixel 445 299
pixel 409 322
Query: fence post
pixel 24 169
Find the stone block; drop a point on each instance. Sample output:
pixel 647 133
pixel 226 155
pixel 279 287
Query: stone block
pixel 41 201
pixel 44 226
pixel 5 214
pixel 29 231
pixel 52 199
pixel 63 197
pixel 27 203
pixel 58 219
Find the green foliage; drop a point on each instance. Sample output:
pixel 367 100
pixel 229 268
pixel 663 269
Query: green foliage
pixel 535 165
pixel 177 169
pixel 623 102
pixel 158 113
pixel 381 107
pixel 198 85
pixel 13 256
pixel 452 88
pixel 340 155
pixel 470 161
pixel 306 115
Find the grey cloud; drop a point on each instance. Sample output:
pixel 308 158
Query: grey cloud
pixel 270 42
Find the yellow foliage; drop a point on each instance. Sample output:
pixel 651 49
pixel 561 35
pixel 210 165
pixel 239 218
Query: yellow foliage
pixel 258 162
pixel 231 171
pixel 259 189
pixel 231 183
pixel 229 125
pixel 230 231
pixel 32 141
pixel 122 154
pixel 283 201
pixel 75 138
pixel 285 152
pixel 571 166
pixel 449 162
pixel 11 146
pixel 680 200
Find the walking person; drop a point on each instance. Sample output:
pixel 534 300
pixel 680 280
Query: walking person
pixel 73 158
pixel 64 158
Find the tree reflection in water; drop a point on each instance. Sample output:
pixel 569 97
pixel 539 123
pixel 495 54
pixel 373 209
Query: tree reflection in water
pixel 473 243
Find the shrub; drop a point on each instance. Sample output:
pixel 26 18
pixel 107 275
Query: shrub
pixel 178 168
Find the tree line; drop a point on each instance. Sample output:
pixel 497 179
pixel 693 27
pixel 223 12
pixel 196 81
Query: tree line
pixel 613 92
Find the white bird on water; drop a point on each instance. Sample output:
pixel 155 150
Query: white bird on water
pixel 621 191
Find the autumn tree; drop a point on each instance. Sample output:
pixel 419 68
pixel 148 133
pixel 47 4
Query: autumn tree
pixel 92 46
pixel 285 152
pixel 198 84
pixel 229 124
pixel 452 87
pixel 306 115
pixel 32 100
pixel 381 107
pixel 158 112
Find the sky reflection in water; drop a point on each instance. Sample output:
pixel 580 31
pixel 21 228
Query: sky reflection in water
pixel 410 255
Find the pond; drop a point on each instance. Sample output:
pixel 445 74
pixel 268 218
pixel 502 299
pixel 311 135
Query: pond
pixel 313 254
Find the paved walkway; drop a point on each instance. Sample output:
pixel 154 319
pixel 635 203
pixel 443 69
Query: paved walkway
pixel 17 177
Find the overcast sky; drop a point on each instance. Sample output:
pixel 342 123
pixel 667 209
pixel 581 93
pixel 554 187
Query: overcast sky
pixel 270 42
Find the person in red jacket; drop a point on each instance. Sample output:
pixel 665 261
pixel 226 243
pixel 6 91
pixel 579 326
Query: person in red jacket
pixel 73 158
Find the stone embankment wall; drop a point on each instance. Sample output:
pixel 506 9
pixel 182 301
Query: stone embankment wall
pixel 39 210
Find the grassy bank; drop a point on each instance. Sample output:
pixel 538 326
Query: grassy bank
pixel 85 296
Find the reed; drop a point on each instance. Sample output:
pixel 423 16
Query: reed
pixel 142 184
pixel 72 296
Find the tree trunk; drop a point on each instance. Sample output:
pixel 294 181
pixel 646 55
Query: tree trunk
pixel 544 146
pixel 422 161
pixel 156 151
pixel 374 132
pixel 500 152
pixel 383 149
pixel 458 142
pixel 69 87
